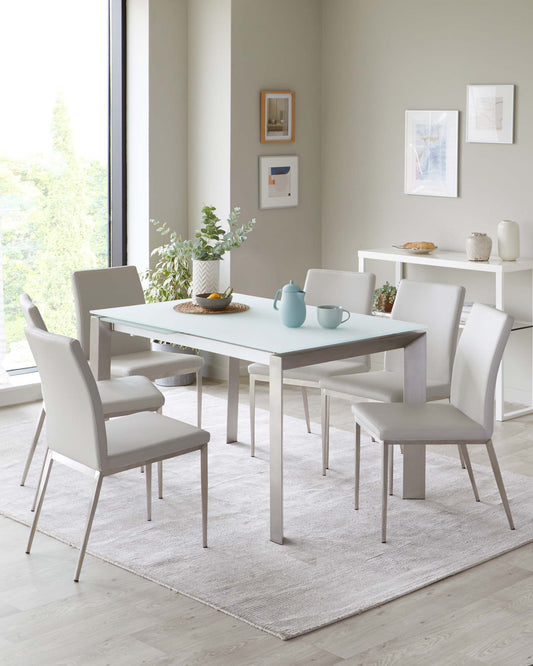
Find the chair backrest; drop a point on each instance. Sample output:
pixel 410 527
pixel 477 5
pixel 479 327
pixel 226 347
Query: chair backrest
pixel 353 291
pixel 74 415
pixel 438 306
pixel 107 288
pixel 477 360
pixel 31 313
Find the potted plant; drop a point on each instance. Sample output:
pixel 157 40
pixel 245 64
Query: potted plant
pixel 384 297
pixel 211 242
pixel 169 280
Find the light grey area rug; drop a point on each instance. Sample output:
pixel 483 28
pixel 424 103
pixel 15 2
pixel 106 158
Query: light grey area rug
pixel 332 565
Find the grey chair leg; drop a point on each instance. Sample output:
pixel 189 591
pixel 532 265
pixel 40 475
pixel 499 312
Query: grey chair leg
pixel 306 408
pixel 98 478
pixel 465 457
pixel 385 469
pixel 499 482
pixel 199 397
pixel 324 417
pixel 357 463
pixel 461 458
pixel 203 476
pixel 391 469
pixel 252 416
pixel 160 479
pixel 36 496
pixel 33 446
pixel 148 475
pixel 43 483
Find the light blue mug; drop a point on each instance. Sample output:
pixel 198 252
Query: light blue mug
pixel 330 316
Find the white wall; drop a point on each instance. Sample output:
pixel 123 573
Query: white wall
pixel 275 45
pixel 380 58
pixel 157 122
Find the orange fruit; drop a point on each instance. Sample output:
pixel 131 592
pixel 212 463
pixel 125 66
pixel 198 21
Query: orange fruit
pixel 214 295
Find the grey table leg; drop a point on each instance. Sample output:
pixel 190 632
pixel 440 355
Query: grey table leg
pixel 276 449
pixel 100 348
pixel 233 400
pixel 414 458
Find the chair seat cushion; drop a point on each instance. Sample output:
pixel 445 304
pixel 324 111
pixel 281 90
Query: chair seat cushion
pixel 139 438
pixel 314 373
pixel 421 422
pixel 380 385
pixel 127 395
pixel 154 364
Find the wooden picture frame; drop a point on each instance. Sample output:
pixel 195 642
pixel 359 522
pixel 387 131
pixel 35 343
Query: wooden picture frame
pixel 277 116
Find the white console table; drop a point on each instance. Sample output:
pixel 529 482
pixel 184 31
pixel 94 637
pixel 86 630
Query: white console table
pixel 458 261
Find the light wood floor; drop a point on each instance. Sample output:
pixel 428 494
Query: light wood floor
pixel 482 616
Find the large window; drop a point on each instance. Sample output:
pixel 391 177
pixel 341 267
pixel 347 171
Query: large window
pixel 54 159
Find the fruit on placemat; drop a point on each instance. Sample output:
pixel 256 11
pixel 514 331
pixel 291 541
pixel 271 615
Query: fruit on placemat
pixel 214 295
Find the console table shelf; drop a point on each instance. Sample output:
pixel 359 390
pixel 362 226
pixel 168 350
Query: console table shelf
pixel 458 261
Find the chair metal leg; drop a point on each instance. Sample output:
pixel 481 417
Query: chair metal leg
pixel 461 458
pixel 306 408
pixel 203 475
pixel 33 446
pixel 465 457
pixel 148 475
pixel 324 417
pixel 98 478
pixel 160 479
pixel 43 483
pixel 391 469
pixel 36 496
pixel 357 463
pixel 199 397
pixel 252 415
pixel 499 482
pixel 385 469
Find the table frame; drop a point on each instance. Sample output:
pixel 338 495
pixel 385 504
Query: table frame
pixel 413 342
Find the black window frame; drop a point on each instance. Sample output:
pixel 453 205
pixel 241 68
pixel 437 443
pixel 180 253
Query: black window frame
pixel 117 134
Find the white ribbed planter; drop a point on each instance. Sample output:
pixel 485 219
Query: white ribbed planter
pixel 205 277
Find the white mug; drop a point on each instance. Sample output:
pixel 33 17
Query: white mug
pixel 330 316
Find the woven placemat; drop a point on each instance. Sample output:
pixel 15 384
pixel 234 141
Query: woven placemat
pixel 192 308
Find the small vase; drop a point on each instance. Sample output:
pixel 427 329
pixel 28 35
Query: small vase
pixel 508 240
pixel 204 277
pixel 478 247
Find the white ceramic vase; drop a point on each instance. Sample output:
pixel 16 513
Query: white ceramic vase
pixel 205 277
pixel 508 240
pixel 478 247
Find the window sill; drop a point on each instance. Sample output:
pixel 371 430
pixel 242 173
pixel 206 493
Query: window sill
pixel 20 388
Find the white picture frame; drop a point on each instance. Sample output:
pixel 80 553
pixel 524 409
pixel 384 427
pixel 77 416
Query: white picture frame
pixel 490 113
pixel 278 181
pixel 431 148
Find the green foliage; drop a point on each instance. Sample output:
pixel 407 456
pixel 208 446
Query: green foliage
pixel 54 218
pixel 384 297
pixel 171 278
pixel 211 241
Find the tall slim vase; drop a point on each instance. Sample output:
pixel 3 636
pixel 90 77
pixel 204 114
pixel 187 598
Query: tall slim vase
pixel 205 277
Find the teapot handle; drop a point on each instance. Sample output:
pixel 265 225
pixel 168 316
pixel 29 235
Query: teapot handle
pixel 278 292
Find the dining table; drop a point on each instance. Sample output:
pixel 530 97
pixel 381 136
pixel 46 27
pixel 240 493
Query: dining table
pixel 257 335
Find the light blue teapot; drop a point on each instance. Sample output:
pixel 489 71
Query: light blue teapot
pixel 292 309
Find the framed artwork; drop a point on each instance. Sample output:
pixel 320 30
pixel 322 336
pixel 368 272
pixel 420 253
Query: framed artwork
pixel 431 153
pixel 277 116
pixel 489 116
pixel 278 181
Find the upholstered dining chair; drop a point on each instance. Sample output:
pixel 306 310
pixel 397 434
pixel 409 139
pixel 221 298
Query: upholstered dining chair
pixel 438 306
pixel 467 419
pixel 124 395
pixel 354 291
pixel 130 355
pixel 79 436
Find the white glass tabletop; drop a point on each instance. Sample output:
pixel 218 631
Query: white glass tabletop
pixel 260 327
